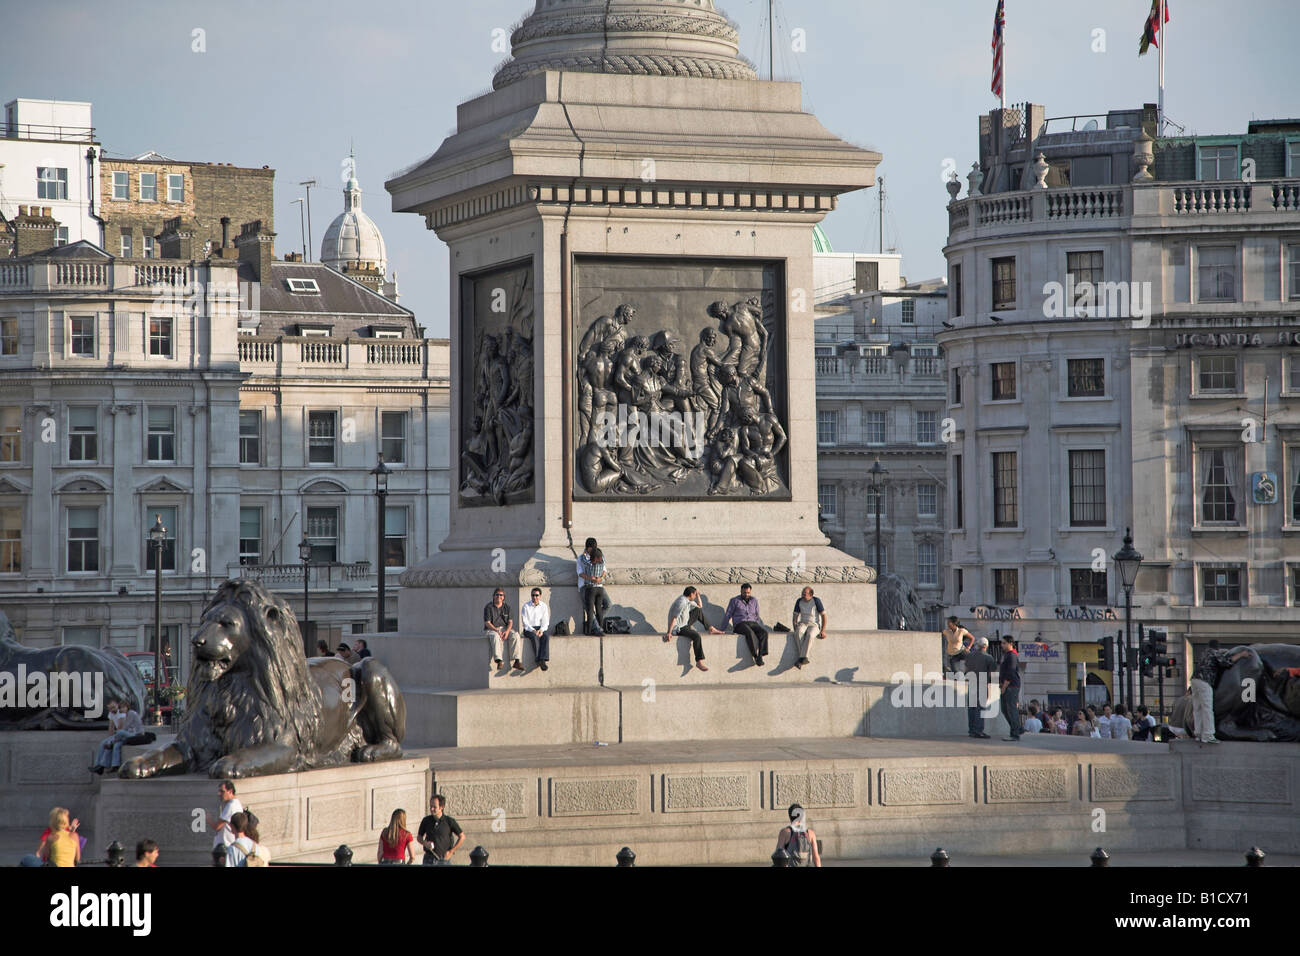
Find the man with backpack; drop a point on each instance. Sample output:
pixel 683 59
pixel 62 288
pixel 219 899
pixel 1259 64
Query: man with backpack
pixel 799 840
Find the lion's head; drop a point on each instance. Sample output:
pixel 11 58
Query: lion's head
pixel 249 682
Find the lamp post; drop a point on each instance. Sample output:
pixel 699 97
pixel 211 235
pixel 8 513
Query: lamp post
pixel 381 473
pixel 304 553
pixel 1128 559
pixel 157 535
pixel 879 476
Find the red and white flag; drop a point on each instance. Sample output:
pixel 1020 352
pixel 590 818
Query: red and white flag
pixel 999 37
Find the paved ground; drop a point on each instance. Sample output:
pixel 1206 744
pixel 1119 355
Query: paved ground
pixel 1163 858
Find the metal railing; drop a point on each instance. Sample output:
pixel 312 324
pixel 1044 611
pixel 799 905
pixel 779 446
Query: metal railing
pixel 324 575
pixel 64 134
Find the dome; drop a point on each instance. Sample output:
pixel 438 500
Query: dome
pixel 821 242
pixel 352 239
pixel 642 37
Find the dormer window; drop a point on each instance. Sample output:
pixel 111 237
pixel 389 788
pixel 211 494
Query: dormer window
pixel 303 286
pixel 314 331
pixel 386 333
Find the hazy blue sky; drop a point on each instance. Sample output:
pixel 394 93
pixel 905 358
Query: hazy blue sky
pixel 289 84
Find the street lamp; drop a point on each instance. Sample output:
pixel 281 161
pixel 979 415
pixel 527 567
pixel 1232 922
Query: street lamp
pixel 304 553
pixel 879 477
pixel 1128 559
pixel 157 535
pixel 381 473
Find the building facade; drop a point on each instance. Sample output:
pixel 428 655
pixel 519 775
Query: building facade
pixel 1124 355
pixel 49 158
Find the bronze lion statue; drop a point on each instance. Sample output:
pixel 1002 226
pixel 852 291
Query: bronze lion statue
pixel 256 705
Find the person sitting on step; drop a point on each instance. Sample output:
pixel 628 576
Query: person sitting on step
pixel 743 617
pixel 499 628
pixel 809 619
pixel 686 612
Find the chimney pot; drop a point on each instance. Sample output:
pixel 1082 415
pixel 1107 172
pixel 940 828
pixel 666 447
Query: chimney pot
pixel 45 211
pixel 22 210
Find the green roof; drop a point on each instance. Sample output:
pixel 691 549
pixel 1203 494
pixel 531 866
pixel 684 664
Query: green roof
pixel 820 241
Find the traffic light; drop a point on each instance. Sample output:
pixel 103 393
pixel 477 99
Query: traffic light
pixel 1148 659
pixel 1106 653
pixel 1159 638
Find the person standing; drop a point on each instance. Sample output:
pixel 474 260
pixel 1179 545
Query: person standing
pixel 395 841
pixel 437 831
pixel 686 612
pixel 743 617
pixel 535 623
pixel 596 601
pixel 957 642
pixel 588 578
pixel 246 849
pixel 799 840
pixel 809 618
pixel 223 835
pixel 1213 662
pixel 1121 728
pixel 62 847
pixel 1009 682
pixel 979 671
pixel 1032 724
pixel 362 651
pixel 499 626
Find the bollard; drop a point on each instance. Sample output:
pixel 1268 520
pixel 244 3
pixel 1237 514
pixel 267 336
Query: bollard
pixel 626 857
pixel 939 857
pixel 343 856
pixel 1255 856
pixel 1100 857
pixel 116 855
pixel 780 857
pixel 478 856
pixel 218 856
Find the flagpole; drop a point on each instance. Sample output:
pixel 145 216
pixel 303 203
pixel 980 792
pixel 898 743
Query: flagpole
pixel 1004 64
pixel 1164 39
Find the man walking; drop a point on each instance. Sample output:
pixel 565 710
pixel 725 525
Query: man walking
pixel 686 612
pixel 1209 669
pixel 223 833
pixel 809 618
pixel 499 626
pixel 979 678
pixel 742 616
pixel 535 620
pixel 1009 681
pixel 436 833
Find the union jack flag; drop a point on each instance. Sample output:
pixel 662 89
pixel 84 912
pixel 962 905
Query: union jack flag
pixel 999 29
pixel 1151 29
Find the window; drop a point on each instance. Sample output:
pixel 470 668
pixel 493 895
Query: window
pixel 1220 480
pixel 387 334
pixel 927 500
pixel 956 385
pixel 927 427
pixel 927 564
pixel 1293 158
pixel 1216 373
pixel 828 500
pixel 875 502
pixel 394 537
pixel 1216 272
pixel 1087 378
pixel 1004 283
pixel 1005 486
pixel 932 619
pixel 175 187
pixel 1088 587
pixel 909 311
pixel 83 335
pixel 1218 162
pixel 875 428
pixel 1087 270
pixel 1220 585
pixel 1294 454
pixel 168 516
pixel 958 582
pixel 250 438
pixel 83 539
pixel 127 250
pixel 392 426
pixel 83 441
pixel 1006 586
pixel 11 540
pixel 162 434
pixel 250 535
pixel 881 566
pixel 303 286
pixel 148 187
pixel 1004 381
pixel 60 235
pixel 1293 375
pixel 1293 271
pixel 958 496
pixel 9 336
pixel 323 533
pixel 1087 489
pixel 121 187
pixel 1090 171
pixel 1295 577
pixel 81 636
pixel 954 292
pixel 148 247
pixel 160 337
pixel 51 182
pixel 320 432
pixel 11 434
pixel 828 426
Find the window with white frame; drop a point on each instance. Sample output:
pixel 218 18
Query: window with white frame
pixel 1293 158
pixel 1004 283
pixel 931 619
pixel 81 329
pixel 250 437
pixel 51 182
pixel 127 249
pixel 882 564
pixel 250 536
pixel 875 502
pixel 392 427
pixel 11 540
pixel 828 499
pixel 148 187
pixel 175 187
pixel 395 536
pixel 1293 272
pixel 148 251
pixel 83 539
pixel 11 434
pixel 828 427
pixel 927 563
pixel 1006 512
pixel 875 427
pixel 1293 374
pixel 161 438
pixel 9 335
pixel 83 437
pixel 320 438
pixel 323 534
pixel 1087 488
pixel 81 636
pixel 60 235
pixel 1220 479
pixel 1217 163
pixel 1217 373
pixel 151 515
pixel 1216 273
pixel 1221 585
pixel 160 337
pixel 909 311
pixel 1293 454
pixel 1088 270
pixel 927 500
pixel 121 186
pixel 927 427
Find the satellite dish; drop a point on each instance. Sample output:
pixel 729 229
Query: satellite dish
pixel 1090 126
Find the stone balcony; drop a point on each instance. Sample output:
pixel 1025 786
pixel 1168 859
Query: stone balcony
pixel 352 575
pixel 86 275
pixel 396 358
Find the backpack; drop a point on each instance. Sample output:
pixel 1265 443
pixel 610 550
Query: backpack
pixel 253 856
pixel 798 846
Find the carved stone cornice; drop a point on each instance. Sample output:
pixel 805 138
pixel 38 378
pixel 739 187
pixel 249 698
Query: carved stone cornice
pixel 37 408
pixel 128 409
pixel 1039 365
pixel 532 576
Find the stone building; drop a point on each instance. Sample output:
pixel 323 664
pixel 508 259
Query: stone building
pixel 1124 355
pixel 880 397
pixel 353 244
pixel 49 157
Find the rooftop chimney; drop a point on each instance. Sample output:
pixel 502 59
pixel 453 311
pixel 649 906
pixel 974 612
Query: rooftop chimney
pixel 257 248
pixel 176 241
pixel 34 230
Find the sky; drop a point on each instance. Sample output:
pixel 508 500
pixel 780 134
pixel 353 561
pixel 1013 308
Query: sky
pixel 292 85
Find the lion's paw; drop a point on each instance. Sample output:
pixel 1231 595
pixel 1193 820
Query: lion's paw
pixel 135 769
pixel 228 767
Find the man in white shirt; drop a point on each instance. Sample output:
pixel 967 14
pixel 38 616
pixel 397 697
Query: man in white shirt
pixel 535 620
pixel 1104 723
pixel 224 834
pixel 1121 728
pixel 1032 724
pixel 686 612
pixel 124 722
